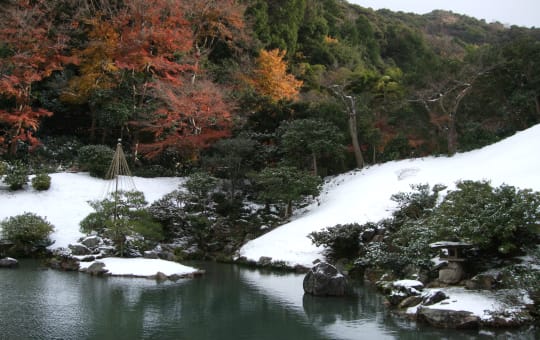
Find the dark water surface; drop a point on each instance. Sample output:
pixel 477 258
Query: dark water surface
pixel 229 302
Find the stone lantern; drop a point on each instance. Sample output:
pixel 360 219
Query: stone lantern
pixel 452 253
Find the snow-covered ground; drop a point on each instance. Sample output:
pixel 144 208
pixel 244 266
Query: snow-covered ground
pixel 64 205
pixel 484 304
pixel 363 196
pixel 142 267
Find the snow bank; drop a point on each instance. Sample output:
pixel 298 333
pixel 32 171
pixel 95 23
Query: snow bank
pixel 141 267
pixel 363 196
pixel 483 304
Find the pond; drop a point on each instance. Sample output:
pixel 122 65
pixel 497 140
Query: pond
pixel 229 302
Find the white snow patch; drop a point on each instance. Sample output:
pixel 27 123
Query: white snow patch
pixel 478 303
pixel 141 267
pixel 481 303
pixel 407 283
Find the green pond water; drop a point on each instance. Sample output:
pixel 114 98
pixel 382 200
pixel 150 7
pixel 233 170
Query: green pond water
pixel 228 302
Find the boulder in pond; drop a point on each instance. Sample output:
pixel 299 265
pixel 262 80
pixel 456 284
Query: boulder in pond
pixel 432 297
pixel 8 262
pixel 325 280
pixel 92 241
pixel 265 261
pixel 447 318
pixel 78 249
pixel 488 280
pixel 97 269
pixel 66 263
pixel 398 291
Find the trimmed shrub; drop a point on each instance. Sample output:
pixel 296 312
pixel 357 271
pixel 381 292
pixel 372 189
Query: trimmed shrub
pixel 3 168
pixel 152 171
pixel 342 241
pixel 500 221
pixel 28 232
pixel 285 185
pixel 96 159
pixel 120 217
pixel 41 182
pixel 17 176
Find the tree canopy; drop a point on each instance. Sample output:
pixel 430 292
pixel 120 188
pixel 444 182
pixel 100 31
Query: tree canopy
pixel 173 77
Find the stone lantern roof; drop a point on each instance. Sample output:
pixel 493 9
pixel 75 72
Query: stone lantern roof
pixel 453 249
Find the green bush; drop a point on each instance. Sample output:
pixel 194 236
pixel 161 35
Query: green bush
pixel 96 159
pixel 342 241
pixel 415 204
pixel 55 152
pixel 17 176
pixel 500 221
pixel 41 182
pixel 152 171
pixel 3 168
pixel 285 185
pixel 28 232
pixel 120 216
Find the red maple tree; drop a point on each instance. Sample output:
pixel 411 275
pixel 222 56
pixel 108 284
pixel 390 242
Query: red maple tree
pixel 192 115
pixel 156 45
pixel 33 50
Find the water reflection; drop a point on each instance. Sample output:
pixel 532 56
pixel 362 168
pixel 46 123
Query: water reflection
pixel 229 302
pixel 336 318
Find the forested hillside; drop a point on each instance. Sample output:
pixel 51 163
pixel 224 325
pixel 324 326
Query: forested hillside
pixel 233 86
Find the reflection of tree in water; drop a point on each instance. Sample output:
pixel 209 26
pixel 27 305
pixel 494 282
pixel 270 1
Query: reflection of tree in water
pixel 216 306
pixel 328 310
pixel 370 307
pixel 365 304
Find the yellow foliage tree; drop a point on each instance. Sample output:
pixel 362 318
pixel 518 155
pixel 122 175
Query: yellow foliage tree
pixel 271 79
pixel 96 63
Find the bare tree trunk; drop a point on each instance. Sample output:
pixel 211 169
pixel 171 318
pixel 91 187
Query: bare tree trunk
pixel 350 106
pixel 93 125
pixel 354 139
pixel 452 130
pixel 12 150
pixel 288 209
pixel 451 135
pixel 314 157
pixel 537 102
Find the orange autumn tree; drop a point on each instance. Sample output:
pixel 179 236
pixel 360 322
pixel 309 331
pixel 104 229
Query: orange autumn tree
pixel 192 116
pixel 97 69
pixel 143 51
pixel 271 78
pixel 32 50
pixel 156 53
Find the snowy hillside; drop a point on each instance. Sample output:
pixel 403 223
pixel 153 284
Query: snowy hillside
pixel 362 196
pixel 357 196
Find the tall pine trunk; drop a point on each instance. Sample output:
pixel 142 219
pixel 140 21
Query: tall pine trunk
pixel 353 131
pixel 314 157
pixel 452 135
